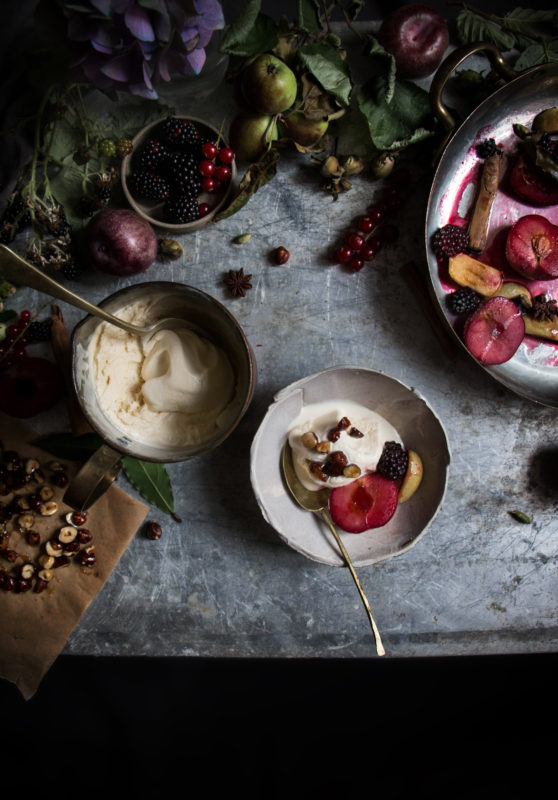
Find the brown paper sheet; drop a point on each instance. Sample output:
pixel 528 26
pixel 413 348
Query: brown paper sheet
pixel 35 627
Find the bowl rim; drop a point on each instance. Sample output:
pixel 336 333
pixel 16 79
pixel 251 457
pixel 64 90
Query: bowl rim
pixel 184 227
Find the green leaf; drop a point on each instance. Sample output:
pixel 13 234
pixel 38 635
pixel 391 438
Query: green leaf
pixel 388 63
pixel 532 23
pixel 329 69
pixel 251 33
pixel 404 121
pixel 152 482
pixel 7 314
pixel 65 445
pixel 256 176
pixel 308 16
pixel 473 28
pixel 536 54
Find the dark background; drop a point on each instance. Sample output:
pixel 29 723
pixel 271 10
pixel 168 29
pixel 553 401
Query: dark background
pixel 468 727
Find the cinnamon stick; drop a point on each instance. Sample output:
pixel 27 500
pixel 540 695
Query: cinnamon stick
pixel 61 348
pixel 490 178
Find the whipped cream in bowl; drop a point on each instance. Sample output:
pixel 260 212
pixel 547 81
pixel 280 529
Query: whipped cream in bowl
pixel 173 395
pixel 378 409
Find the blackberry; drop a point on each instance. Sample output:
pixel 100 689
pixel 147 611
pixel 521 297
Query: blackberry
pixel 180 133
pixel 464 300
pixel 487 148
pixel 183 173
pixel 124 147
pixel 106 148
pixel 152 155
pixel 148 185
pixel 178 210
pixel 450 240
pixel 71 271
pixel 39 331
pixel 393 461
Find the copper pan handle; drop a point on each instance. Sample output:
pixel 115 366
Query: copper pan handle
pixel 446 69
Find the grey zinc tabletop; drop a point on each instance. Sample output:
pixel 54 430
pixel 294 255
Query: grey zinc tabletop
pixel 222 583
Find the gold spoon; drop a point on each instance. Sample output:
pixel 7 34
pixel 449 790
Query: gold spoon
pixel 317 502
pixel 16 269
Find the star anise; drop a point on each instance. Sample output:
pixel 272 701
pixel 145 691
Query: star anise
pixel 544 308
pixel 238 282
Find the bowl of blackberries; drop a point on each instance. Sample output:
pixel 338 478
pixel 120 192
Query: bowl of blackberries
pixel 179 173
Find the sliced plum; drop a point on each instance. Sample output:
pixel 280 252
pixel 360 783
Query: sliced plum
pixel 532 247
pixel 531 184
pixel 368 502
pixel 493 333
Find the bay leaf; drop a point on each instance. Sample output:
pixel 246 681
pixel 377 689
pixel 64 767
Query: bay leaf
pixel 152 481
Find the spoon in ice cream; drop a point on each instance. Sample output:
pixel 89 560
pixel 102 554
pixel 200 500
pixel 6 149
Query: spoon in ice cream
pixel 317 502
pixel 15 269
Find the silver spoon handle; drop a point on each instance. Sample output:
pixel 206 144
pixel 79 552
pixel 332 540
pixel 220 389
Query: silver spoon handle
pixel 15 269
pixel 324 514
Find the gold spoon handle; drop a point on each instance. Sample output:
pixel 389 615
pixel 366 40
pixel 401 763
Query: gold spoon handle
pixel 324 514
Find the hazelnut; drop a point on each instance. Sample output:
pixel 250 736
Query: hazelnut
pixel 281 255
pixel 76 518
pixel 45 575
pixel 48 509
pixel 9 583
pixel 46 492
pixel 40 585
pixel 351 471
pixel 46 561
pixel 25 521
pixel 71 549
pixel 335 463
pixel 9 555
pixel 23 503
pixel 53 548
pixel 84 535
pixel 33 538
pixel 309 440
pixel 61 561
pixel 87 557
pixel 60 479
pixel 153 530
pixel 27 571
pixel 31 465
pixel 23 585
pixel 67 534
pixel 323 447
pixel 56 466
pixel 355 433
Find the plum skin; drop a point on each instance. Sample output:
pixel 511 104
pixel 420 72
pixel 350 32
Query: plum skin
pixel 532 247
pixel 120 242
pixel 417 37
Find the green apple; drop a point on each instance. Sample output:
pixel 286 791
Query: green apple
pixel 269 85
pixel 251 133
pixel 302 130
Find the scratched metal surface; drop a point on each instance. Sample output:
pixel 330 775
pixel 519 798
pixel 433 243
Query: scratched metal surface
pixel 222 583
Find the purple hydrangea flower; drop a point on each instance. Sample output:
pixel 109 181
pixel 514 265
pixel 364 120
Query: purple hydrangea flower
pixel 132 45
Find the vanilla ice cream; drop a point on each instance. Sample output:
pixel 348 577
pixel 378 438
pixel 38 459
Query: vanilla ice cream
pixel 337 432
pixel 174 389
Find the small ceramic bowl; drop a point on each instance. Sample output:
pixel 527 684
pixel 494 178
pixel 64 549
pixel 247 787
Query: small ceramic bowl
pixel 420 430
pixel 208 318
pixel 152 212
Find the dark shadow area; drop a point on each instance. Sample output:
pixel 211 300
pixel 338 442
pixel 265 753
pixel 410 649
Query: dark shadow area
pixel 449 727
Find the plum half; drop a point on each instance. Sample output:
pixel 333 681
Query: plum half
pixel 368 502
pixel 494 331
pixel 532 247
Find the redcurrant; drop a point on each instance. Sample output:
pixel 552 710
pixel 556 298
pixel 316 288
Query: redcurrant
pixel 226 155
pixel 365 224
pixel 355 264
pixel 25 315
pixel 367 253
pixel 12 332
pixel 208 184
pixel 206 167
pixel 355 241
pixel 376 214
pixel 343 254
pixel 204 208
pixel 223 173
pixel 209 149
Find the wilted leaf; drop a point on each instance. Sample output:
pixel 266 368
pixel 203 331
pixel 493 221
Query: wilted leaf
pixel 256 176
pixel 388 63
pixel 329 69
pixel 316 103
pixel 404 121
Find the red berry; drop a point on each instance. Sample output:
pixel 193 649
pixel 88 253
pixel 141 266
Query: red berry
pixel 355 241
pixel 217 185
pixel 375 244
pixel 25 316
pixel 206 168
pixel 19 351
pixel 367 253
pixel 208 184
pixel 343 254
pixel 356 264
pixel 204 209
pixel 209 149
pixel 12 332
pixel 226 155
pixel 365 224
pixel 223 173
pixel 376 214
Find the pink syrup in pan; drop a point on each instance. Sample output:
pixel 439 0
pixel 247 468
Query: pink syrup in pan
pixel 455 209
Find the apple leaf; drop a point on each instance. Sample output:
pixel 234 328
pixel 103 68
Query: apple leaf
pixel 473 28
pixel 388 62
pixel 308 16
pixel 251 33
pixel 403 121
pixel 152 482
pixel 536 54
pixel 329 69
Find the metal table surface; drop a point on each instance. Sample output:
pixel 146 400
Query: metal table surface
pixel 221 583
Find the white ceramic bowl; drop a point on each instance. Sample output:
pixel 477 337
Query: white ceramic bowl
pixel 152 212
pixel 420 430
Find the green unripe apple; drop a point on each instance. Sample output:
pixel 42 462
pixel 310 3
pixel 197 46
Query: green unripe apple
pixel 302 130
pixel 269 85
pixel 251 133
